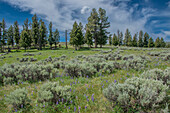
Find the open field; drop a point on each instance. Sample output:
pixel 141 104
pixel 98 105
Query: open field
pixel 87 91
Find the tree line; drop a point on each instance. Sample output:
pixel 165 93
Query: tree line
pixel 96 33
pixel 33 34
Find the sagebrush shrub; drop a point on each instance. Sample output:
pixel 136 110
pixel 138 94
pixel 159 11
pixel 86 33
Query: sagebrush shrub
pixel 137 94
pixel 18 98
pixel 73 69
pixel 53 92
pixel 158 74
pixel 87 69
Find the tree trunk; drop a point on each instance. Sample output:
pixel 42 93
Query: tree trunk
pixel 100 46
pixel 55 45
pixel 25 49
pixel 95 42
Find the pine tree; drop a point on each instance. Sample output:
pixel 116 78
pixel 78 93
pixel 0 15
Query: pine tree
pixel 157 42
pixel 115 40
pixel 16 33
pixel 162 43
pixel 93 22
pixel 42 35
pixel 35 29
pixel 0 36
pixel 50 39
pixel 140 41
pixel 80 36
pixel 151 42
pixel 88 38
pixel 127 39
pixel 110 39
pixel 73 34
pixel 134 41
pixel 4 34
pixel 103 25
pixel 56 37
pixel 146 39
pixel 10 34
pixel 25 40
pixel 120 38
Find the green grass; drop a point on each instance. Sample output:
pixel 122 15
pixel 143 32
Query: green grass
pixel 83 86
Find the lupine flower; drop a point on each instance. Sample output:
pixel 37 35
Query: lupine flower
pixel 74 109
pixel 21 106
pixel 71 101
pixel 85 107
pixel 36 105
pixel 69 107
pixel 92 98
pixel 114 81
pixel 16 110
pixel 113 75
pixel 4 95
pixel 43 105
pixel 70 89
pixel 106 81
pixel 79 108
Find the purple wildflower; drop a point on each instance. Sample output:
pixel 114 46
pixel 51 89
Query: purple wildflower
pixel 85 107
pixel 114 81
pixel 74 109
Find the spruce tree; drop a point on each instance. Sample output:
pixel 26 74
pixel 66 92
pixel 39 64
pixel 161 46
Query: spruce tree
pixel 127 39
pixel 134 41
pixel 93 22
pixel 16 33
pixel 10 34
pixel 35 29
pixel 120 38
pixel 25 40
pixel 151 42
pixel 42 35
pixel 140 41
pixel 162 43
pixel 73 34
pixel 56 37
pixel 110 39
pixel 103 26
pixel 0 37
pixel 146 39
pixel 4 34
pixel 115 40
pixel 88 38
pixel 50 39
pixel 157 43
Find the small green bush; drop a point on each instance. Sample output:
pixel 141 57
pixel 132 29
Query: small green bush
pixel 73 69
pixel 53 92
pixel 18 98
pixel 137 94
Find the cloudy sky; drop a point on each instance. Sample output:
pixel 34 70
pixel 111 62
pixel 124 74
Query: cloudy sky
pixel 152 16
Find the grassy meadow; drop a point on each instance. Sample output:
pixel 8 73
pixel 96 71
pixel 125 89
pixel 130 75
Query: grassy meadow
pixel 83 88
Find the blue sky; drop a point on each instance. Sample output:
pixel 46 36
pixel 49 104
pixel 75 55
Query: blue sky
pixel 152 16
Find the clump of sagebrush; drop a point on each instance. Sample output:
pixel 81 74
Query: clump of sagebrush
pixel 87 69
pixel 14 73
pixel 18 98
pixel 137 94
pixel 59 64
pixel 72 69
pixel 158 74
pixel 52 92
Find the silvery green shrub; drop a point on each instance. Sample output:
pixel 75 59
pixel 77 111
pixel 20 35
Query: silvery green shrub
pixel 14 73
pixel 53 92
pixel 72 69
pixel 108 68
pixel 87 69
pixel 137 94
pixel 157 74
pixel 18 98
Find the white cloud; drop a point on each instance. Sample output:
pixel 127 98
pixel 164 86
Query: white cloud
pixel 168 4
pixel 60 12
pixel 167 33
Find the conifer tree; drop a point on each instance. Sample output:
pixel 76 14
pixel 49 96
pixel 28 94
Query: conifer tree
pixel 134 41
pixel 56 37
pixel 151 42
pixel 35 29
pixel 115 40
pixel 162 43
pixel 50 39
pixel 103 25
pixel 4 34
pixel 42 35
pixel 120 38
pixel 73 34
pixel 25 40
pixel 88 38
pixel 16 33
pixel 140 41
pixel 146 39
pixel 0 37
pixel 110 39
pixel 93 22
pixel 10 35
pixel 127 39
pixel 157 43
